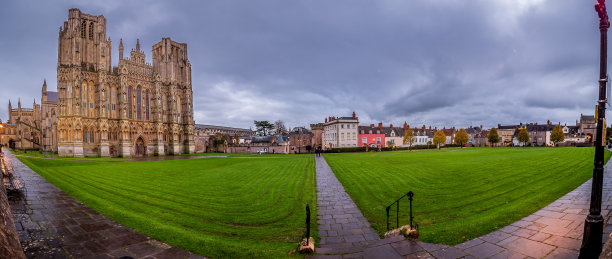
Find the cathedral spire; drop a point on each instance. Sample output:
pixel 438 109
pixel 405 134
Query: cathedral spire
pixel 10 106
pixel 19 104
pixel 120 49
pixel 138 45
pixel 44 88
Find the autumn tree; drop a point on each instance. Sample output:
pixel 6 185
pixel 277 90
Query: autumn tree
pixel 439 138
pixel 523 136
pixel 493 136
pixel 409 138
pixel 280 128
pixel 557 135
pixel 461 138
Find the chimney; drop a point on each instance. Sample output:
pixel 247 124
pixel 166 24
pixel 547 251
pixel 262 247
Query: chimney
pixel 536 124
pixel 354 116
pixel 391 125
pixel 548 122
pixel 380 125
pixel 405 125
pixel 498 125
pixel 325 120
pixel 424 127
pixel 372 125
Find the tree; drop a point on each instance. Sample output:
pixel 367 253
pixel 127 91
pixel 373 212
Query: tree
pixel 263 127
pixel 523 136
pixel 493 136
pixel 409 138
pixel 439 138
pixel 279 128
pixel 390 144
pixel 461 138
pixel 557 135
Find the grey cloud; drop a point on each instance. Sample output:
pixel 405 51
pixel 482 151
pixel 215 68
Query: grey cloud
pixel 452 63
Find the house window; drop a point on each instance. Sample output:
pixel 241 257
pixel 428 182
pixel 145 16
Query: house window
pixel 364 140
pixel 342 126
pixel 378 140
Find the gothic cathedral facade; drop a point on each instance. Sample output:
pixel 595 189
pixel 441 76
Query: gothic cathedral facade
pixel 133 109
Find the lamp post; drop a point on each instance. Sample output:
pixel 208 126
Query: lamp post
pixel 593 224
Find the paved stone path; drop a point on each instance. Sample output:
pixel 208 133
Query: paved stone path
pixel 341 224
pixel 52 224
pixel 554 231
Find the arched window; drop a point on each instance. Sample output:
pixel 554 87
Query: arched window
pixel 84 98
pixel 83 29
pixel 84 136
pixel 178 109
pixel 91 136
pixel 129 99
pixel 91 96
pixel 138 103
pixel 91 31
pixel 147 104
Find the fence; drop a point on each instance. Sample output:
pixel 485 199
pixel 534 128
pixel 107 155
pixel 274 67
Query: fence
pixel 410 194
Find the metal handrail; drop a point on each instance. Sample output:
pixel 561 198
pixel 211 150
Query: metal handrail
pixel 410 194
pixel 307 224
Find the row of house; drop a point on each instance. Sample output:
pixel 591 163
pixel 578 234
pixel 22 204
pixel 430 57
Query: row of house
pixel 345 132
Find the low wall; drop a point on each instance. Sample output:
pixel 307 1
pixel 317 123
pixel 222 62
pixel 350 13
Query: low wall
pixel 9 241
pixel 255 149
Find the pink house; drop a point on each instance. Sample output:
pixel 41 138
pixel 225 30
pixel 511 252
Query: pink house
pixel 371 136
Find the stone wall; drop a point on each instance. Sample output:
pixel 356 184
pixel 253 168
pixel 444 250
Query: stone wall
pixel 9 241
pixel 255 149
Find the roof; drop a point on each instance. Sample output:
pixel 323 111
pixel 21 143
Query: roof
pixel 473 130
pixel 587 117
pixel 300 130
pixel 384 130
pixel 508 127
pixel 261 139
pixel 204 127
pixel 544 127
pixel 51 96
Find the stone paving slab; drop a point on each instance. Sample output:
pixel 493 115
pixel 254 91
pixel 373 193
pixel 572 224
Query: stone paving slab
pixel 341 224
pixel 51 224
pixel 554 231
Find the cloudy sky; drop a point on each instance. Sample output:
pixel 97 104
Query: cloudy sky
pixel 440 63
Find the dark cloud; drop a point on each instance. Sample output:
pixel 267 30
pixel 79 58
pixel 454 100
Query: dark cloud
pixel 445 63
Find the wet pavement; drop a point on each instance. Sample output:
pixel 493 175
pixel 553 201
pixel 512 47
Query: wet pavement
pixel 554 231
pixel 51 224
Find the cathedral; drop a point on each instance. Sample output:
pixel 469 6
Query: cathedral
pixel 130 110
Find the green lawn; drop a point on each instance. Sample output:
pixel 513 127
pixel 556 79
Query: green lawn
pixel 216 207
pixel 461 193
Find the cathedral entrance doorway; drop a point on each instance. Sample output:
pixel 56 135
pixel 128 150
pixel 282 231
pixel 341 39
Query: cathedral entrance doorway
pixel 139 148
